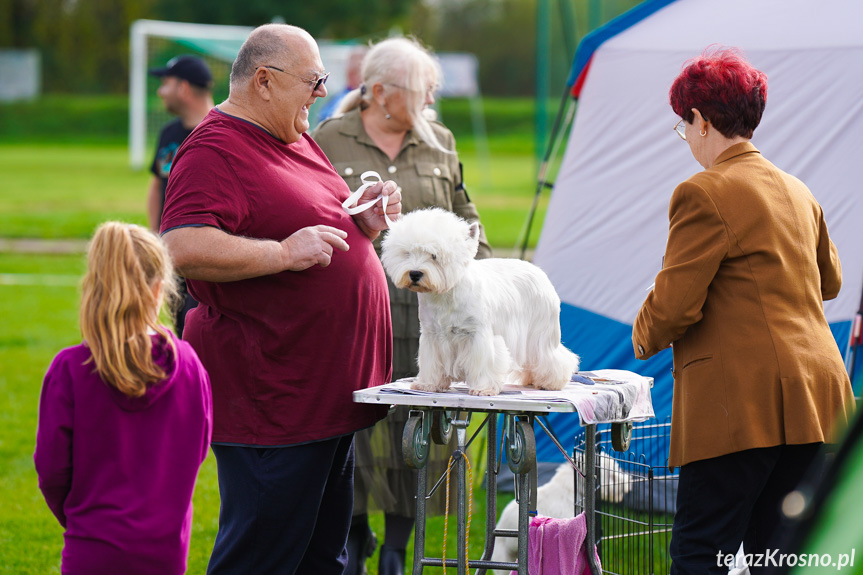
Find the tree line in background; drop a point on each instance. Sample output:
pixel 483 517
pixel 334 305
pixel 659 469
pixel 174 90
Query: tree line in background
pixel 85 43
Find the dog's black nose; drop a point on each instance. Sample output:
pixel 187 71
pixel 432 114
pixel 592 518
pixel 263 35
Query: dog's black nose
pixel 415 275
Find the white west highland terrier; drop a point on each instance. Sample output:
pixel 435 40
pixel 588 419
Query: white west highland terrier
pixel 484 322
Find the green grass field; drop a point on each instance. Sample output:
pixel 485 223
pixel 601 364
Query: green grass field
pixel 65 169
pixel 38 321
pixel 65 191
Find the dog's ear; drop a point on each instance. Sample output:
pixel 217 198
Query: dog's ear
pixel 473 231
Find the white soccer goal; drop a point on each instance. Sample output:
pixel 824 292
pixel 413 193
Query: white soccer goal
pixel 153 43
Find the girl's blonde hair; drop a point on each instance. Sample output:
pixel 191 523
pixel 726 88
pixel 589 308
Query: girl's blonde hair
pixel 119 304
pixel 399 64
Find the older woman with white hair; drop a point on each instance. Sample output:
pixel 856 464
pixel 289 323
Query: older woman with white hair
pixel 385 126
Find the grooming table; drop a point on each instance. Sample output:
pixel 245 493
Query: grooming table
pixel 613 396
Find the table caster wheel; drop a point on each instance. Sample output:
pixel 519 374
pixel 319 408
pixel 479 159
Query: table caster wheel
pixel 441 427
pixel 621 436
pixel 415 445
pixel 521 448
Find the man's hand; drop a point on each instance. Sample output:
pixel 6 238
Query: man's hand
pixel 312 246
pixel 209 254
pixel 372 221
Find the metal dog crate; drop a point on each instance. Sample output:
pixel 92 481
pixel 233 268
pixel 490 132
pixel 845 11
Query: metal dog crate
pixel 635 507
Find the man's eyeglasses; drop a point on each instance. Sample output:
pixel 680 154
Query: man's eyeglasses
pixel 680 128
pixel 315 83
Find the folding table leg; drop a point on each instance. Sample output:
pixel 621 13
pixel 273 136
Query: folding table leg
pixel 491 488
pixel 420 527
pixel 590 496
pixel 523 484
pixel 461 472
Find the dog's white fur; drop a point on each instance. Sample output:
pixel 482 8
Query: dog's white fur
pixel 557 499
pixel 485 322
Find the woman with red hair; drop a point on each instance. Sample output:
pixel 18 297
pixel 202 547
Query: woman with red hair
pixel 759 383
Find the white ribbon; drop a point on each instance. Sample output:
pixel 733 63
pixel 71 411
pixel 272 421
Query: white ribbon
pixel 369 179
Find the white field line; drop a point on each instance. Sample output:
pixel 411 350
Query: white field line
pixel 49 280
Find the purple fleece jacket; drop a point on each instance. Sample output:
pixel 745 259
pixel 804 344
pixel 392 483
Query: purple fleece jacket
pixel 117 472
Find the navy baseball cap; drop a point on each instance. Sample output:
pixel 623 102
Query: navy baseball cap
pixel 189 68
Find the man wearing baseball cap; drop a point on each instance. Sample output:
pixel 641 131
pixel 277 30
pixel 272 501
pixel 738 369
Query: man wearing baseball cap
pixel 189 68
pixel 186 92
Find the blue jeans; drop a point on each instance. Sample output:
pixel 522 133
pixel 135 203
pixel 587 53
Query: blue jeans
pixel 285 510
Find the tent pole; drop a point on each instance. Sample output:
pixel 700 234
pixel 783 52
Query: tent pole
pixel 567 21
pixel 543 72
pixel 551 150
pixel 595 14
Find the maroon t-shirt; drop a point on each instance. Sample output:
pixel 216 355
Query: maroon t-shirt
pixel 284 351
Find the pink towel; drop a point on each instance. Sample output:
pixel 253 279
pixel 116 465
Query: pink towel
pixel 556 546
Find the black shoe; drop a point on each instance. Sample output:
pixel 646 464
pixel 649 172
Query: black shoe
pixel 361 545
pixel 371 544
pixel 391 561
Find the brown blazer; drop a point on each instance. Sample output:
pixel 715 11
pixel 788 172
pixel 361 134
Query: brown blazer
pixel 747 266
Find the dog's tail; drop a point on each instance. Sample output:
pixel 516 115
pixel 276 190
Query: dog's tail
pixel 556 371
pixel 567 362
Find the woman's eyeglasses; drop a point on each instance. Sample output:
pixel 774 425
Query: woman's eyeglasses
pixel 680 128
pixel 430 90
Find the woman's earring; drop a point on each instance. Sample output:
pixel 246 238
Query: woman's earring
pixel 386 113
pixel 703 132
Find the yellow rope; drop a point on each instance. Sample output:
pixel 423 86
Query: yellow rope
pixel 469 509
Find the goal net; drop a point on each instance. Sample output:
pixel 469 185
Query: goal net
pixel 153 43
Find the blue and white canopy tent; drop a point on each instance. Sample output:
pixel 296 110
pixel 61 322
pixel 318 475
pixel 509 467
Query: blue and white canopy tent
pixel 607 221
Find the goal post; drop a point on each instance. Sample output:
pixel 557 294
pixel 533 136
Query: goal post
pixel 152 44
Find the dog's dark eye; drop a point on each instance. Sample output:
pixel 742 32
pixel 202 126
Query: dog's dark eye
pixel 434 257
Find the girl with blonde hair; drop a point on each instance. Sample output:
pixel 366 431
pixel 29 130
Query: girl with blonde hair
pixel 125 418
